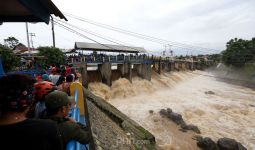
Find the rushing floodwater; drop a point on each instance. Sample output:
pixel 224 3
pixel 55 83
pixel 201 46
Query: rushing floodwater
pixel 227 113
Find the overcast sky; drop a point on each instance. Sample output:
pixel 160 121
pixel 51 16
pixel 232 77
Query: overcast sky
pixel 206 23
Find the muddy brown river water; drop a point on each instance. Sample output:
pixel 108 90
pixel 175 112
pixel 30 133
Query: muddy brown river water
pixel 227 111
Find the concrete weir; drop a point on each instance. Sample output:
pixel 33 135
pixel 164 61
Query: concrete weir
pixel 106 73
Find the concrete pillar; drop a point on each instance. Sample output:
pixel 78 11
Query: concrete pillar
pixel 183 65
pixel 106 73
pixel 168 66
pixel 138 67
pixel 121 68
pixel 176 65
pixel 84 75
pixel 194 65
pixel 154 65
pixel 187 65
pixel 159 66
pixel 172 66
pixel 163 65
pixel 191 65
pixel 146 71
pixel 128 71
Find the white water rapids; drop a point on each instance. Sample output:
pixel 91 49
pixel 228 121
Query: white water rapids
pixel 227 113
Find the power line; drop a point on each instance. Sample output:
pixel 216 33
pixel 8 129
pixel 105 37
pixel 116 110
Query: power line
pixel 145 37
pixel 95 34
pixel 82 35
pixel 100 36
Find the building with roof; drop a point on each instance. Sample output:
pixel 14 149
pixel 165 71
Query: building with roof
pixel 107 47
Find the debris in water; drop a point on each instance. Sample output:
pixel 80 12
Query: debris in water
pixel 252 105
pixel 177 118
pixel 209 92
pixel 151 111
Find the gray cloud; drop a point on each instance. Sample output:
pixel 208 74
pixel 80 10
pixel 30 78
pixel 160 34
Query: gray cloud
pixel 202 22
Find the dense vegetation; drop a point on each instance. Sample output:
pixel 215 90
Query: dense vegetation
pixel 52 56
pixel 11 42
pixel 9 60
pixel 239 52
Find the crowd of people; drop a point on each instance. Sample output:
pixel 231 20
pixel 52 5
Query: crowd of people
pixel 34 112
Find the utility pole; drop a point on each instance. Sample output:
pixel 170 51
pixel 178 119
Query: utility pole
pixel 32 34
pixel 53 34
pixel 28 44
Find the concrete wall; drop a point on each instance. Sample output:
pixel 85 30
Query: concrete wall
pixel 114 130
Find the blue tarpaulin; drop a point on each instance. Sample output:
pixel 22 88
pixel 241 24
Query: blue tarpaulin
pixel 1 69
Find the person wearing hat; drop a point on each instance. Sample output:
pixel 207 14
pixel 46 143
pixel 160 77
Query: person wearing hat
pixel 58 105
pixel 18 131
pixel 45 77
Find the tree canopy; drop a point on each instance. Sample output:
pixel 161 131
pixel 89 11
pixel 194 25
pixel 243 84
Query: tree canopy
pixel 11 42
pixel 9 60
pixel 239 52
pixel 53 56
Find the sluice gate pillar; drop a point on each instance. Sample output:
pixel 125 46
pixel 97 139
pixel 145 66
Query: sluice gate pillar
pixel 84 74
pixel 128 71
pixel 144 70
pixel 106 73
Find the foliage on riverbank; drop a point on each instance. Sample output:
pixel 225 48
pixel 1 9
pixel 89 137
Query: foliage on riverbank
pixel 239 52
pixel 9 59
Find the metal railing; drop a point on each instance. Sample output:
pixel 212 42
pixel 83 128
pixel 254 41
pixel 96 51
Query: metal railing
pixel 75 114
pixel 108 58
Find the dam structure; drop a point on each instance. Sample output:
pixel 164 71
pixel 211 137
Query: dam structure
pixel 128 63
pixel 111 128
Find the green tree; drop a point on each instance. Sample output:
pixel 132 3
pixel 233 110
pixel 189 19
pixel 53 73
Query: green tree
pixel 11 42
pixel 9 60
pixel 238 52
pixel 53 56
pixel 215 57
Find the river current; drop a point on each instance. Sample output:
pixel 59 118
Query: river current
pixel 218 108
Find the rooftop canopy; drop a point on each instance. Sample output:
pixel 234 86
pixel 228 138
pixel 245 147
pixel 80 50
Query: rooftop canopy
pixel 108 47
pixel 28 11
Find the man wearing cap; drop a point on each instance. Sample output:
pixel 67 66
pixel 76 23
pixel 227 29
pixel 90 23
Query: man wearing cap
pixel 57 108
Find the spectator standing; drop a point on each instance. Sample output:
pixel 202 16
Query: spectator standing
pixel 41 90
pixel 54 76
pixel 57 107
pixel 65 86
pixel 17 131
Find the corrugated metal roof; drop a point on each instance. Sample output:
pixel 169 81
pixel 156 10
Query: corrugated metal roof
pixel 108 47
